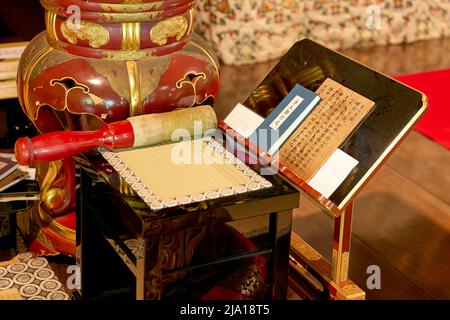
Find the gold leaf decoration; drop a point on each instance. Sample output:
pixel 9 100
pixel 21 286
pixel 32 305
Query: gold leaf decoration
pixel 171 27
pixel 96 34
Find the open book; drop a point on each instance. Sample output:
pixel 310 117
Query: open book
pixel 311 153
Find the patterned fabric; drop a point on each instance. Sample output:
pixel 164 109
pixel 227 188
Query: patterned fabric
pixel 33 279
pixel 344 24
pixel 248 31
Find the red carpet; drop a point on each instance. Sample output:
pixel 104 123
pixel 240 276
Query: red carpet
pixel 435 124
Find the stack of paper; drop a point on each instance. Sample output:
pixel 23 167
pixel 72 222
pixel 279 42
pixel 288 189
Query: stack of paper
pixel 11 173
pixel 9 60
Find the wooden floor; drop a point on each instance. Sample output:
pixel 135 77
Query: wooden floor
pixel 402 218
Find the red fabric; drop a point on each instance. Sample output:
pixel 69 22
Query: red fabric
pixel 436 85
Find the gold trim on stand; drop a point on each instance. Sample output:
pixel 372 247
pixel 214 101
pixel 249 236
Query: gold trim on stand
pixel 349 291
pixel 131 36
pixel 345 261
pixel 340 266
pixel 337 253
pixel 341 254
pixel 304 249
pixel 50 21
pixel 135 90
pixel 320 270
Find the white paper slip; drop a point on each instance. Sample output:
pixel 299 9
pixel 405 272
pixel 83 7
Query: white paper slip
pixel 332 173
pixel 243 120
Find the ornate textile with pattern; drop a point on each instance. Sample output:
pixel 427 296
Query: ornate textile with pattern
pixel 33 279
pixel 345 23
pixel 248 31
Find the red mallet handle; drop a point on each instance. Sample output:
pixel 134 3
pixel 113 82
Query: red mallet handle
pixel 136 131
pixel 62 144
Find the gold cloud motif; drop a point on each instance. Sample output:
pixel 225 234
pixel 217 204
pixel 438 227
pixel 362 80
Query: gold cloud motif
pixel 171 27
pixel 96 34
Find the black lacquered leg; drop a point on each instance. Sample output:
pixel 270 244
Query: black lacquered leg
pixel 83 234
pixel 280 231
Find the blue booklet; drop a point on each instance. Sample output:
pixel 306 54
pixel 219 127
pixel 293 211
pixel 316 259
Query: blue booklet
pixel 284 119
